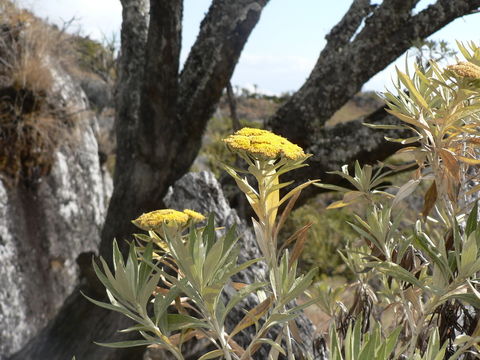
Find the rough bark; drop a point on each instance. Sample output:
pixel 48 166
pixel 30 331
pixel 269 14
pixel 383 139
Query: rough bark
pixel 209 67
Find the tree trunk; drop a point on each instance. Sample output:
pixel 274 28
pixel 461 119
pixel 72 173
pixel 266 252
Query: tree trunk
pixel 161 116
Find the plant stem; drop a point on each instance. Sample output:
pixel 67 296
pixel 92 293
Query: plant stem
pixel 178 355
pixel 221 338
pixel 288 339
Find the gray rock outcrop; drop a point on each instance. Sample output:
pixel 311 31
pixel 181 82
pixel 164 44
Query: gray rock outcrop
pixel 44 228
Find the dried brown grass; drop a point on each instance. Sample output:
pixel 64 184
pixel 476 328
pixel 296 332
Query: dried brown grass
pixel 32 124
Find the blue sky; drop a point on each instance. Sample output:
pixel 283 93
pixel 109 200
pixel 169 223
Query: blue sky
pixel 282 49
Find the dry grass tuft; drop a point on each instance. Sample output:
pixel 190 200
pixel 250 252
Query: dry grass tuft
pixel 32 123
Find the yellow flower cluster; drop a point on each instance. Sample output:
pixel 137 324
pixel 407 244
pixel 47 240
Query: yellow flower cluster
pixel 155 219
pixel 195 216
pixel 263 144
pixel 466 69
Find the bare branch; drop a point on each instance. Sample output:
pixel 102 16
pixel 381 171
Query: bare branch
pixel 130 74
pixel 346 28
pixel 343 144
pixel 158 111
pixel 208 68
pixel 387 34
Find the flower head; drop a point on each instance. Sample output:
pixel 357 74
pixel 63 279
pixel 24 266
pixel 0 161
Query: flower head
pixel 263 144
pixel 466 70
pixel 154 220
pixel 195 216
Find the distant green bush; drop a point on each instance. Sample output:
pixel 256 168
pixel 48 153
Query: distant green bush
pixel 329 232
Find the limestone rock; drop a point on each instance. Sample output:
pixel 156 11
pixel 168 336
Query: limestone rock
pixel 43 228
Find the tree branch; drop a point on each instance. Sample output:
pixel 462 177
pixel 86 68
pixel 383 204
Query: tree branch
pixel 209 67
pixel 130 74
pixel 343 144
pixel 158 111
pixel 340 74
pixel 342 33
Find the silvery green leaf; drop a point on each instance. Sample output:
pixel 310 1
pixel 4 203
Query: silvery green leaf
pixel 208 234
pixel 212 355
pixel 469 298
pixel 301 284
pixel 145 270
pixel 261 241
pixel 162 303
pixel 274 352
pixel 212 261
pixel 131 268
pixel 117 256
pixel 240 267
pixel 368 349
pixel 145 290
pixel 125 344
pixel 138 327
pixel 472 220
pixel 424 243
pixel 397 272
pixel 388 346
pixel 143 237
pixel 276 319
pixel 119 309
pixel 103 279
pixel 405 190
pixel 230 238
pixel 469 255
pixel 434 352
pixel 335 350
pixel 180 321
pixel 240 295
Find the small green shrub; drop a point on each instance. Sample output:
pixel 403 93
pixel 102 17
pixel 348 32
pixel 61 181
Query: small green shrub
pixel 203 264
pixel 417 285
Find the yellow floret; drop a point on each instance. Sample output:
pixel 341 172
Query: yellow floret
pixel 155 219
pixel 195 216
pixel 466 69
pixel 264 144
